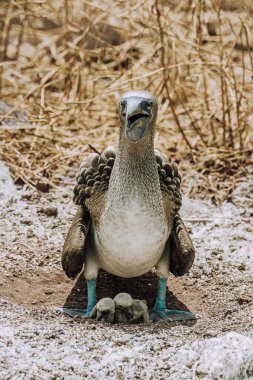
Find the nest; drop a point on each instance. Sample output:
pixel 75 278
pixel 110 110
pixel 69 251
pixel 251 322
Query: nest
pixel 65 64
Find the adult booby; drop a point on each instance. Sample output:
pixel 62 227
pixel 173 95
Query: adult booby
pixel 127 220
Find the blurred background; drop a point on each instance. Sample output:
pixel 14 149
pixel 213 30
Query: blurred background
pixel 64 65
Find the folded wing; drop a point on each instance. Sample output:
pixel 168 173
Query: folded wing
pixel 89 194
pixel 182 252
pixel 73 249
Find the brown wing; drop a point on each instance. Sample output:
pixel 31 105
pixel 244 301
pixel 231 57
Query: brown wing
pixel 182 252
pixel 72 253
pixel 92 184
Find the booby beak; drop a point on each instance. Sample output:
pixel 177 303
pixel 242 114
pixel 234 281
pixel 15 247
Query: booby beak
pixel 136 114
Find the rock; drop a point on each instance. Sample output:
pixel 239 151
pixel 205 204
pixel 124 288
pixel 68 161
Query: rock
pixel 210 334
pixel 26 222
pixel 43 187
pixel 49 211
pixel 48 291
pixel 227 357
pixel 244 299
pixel 35 302
pixel 242 267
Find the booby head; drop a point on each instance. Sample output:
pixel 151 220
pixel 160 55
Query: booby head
pixel 138 110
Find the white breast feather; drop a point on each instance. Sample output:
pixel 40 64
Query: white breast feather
pixel 131 240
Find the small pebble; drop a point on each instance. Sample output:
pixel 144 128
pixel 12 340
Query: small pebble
pixel 210 334
pixel 48 291
pixel 49 211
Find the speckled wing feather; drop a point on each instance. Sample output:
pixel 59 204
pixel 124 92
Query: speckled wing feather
pixel 170 180
pixel 182 252
pixel 93 177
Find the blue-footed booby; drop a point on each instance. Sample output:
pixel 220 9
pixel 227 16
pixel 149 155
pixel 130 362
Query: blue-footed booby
pixel 128 221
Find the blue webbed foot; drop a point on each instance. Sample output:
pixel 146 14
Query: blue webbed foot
pixel 84 313
pixel 159 315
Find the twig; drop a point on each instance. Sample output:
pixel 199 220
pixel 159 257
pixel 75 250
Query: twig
pixel 94 149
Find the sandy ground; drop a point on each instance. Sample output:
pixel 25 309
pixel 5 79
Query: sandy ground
pixel 38 342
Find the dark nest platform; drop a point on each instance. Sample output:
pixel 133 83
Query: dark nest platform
pixel 108 285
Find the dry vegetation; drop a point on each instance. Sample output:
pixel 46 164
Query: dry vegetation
pixel 64 64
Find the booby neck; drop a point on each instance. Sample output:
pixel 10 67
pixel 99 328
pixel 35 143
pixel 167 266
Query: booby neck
pixel 134 174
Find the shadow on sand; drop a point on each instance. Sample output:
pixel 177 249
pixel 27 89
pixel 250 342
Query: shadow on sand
pixel 108 285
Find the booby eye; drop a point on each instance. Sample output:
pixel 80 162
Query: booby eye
pixel 148 104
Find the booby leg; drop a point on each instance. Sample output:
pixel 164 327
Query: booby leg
pixel 90 273
pixel 92 300
pixel 160 311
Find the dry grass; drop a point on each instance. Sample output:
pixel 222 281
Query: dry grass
pixel 65 64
